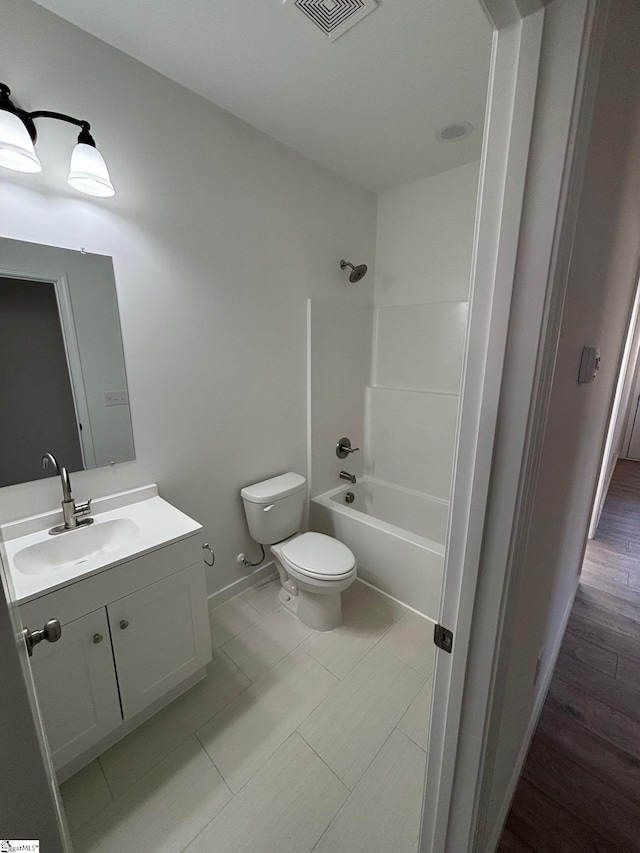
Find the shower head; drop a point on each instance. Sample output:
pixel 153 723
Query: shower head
pixel 356 272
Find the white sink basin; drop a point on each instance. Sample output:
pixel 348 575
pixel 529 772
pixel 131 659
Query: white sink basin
pixel 76 546
pixel 126 525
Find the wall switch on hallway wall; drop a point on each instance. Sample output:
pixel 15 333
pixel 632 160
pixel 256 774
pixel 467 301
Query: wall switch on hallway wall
pixel 589 364
pixel 116 398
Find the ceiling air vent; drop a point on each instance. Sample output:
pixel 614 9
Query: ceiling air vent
pixel 335 17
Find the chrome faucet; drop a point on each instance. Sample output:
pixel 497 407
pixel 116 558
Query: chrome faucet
pixel 345 475
pixel 71 511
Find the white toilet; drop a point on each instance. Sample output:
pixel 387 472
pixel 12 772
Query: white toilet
pixel 314 569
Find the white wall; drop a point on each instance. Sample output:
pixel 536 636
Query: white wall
pixel 423 262
pixel 600 287
pixel 219 235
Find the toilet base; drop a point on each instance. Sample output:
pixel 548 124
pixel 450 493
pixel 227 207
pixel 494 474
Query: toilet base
pixel 322 612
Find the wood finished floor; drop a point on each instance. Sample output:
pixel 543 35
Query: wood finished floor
pixel 580 786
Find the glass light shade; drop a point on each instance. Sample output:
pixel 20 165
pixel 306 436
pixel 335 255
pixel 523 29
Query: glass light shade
pixel 88 172
pixel 16 148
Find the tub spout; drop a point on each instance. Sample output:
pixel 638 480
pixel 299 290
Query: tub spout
pixel 345 475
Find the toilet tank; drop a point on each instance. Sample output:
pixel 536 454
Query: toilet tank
pixel 274 507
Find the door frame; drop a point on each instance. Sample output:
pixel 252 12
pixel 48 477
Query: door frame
pixel 538 114
pixel 72 353
pixel 620 408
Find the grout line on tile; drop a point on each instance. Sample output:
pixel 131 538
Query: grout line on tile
pixel 200 831
pixel 258 769
pixel 268 669
pixel 255 609
pixel 233 598
pixel 111 794
pixel 331 770
pixel 421 674
pixel 376 755
pixel 224 781
pixel 105 779
pixel 355 788
pixel 127 791
pixel 222 776
pixel 334 818
pixel 220 650
pixel 408 737
pixel 322 665
pixel 406 607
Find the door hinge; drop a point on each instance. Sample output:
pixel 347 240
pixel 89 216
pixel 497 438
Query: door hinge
pixel 443 638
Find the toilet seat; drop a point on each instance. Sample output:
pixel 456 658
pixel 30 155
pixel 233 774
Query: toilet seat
pixel 320 557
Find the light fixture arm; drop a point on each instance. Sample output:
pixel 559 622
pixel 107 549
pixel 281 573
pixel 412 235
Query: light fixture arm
pixel 88 172
pixel 28 117
pixel 84 135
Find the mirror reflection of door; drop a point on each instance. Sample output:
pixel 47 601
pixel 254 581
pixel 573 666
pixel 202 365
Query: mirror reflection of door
pixel 34 377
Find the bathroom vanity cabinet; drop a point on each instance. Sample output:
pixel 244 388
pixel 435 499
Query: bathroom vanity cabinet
pixel 134 637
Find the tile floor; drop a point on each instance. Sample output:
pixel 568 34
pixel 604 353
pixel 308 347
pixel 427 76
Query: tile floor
pixel 296 741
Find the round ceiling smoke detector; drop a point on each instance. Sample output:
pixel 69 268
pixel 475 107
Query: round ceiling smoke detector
pixel 455 132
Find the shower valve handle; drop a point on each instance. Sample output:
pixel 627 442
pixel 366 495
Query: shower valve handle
pixel 343 448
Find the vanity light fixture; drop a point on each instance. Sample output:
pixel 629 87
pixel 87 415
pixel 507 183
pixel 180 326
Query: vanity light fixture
pixel 88 171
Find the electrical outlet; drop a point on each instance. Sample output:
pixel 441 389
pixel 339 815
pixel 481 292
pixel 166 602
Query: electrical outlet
pixel 116 398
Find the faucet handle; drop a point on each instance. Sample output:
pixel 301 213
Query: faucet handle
pixel 343 448
pixel 83 508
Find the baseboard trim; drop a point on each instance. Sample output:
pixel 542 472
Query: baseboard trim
pixel 496 833
pixel 262 573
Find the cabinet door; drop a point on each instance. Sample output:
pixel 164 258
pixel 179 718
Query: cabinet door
pixel 160 636
pixel 76 685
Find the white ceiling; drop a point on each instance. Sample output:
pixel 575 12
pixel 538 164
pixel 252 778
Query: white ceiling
pixel 367 105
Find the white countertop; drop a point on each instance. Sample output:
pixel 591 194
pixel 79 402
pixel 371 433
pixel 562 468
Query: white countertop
pixel 158 522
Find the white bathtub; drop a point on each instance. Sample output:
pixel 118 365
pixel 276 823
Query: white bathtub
pixel 397 536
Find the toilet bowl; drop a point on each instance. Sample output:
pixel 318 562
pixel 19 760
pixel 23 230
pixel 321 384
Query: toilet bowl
pixel 314 568
pixel 318 570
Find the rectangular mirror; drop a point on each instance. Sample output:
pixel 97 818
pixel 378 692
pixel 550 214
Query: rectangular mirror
pixel 63 383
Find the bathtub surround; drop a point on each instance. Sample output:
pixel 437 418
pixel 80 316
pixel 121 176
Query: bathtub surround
pixel 405 402
pixel 411 439
pixel 339 365
pixel 423 265
pixel 215 256
pixel 425 238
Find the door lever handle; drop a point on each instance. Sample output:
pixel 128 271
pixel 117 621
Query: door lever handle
pixel 51 632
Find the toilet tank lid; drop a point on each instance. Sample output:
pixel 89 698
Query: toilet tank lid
pixel 273 489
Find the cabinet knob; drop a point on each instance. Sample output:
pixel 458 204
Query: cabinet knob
pixel 124 624
pixel 97 638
